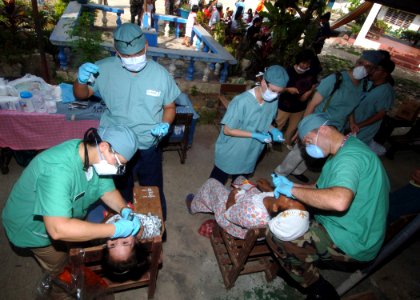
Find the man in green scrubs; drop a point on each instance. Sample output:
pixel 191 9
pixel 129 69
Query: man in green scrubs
pixel 138 93
pixel 377 98
pixel 246 127
pixel 49 201
pixel 351 202
pixel 338 105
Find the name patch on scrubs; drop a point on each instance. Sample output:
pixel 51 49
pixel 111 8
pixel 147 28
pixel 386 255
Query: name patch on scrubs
pixel 80 195
pixel 153 93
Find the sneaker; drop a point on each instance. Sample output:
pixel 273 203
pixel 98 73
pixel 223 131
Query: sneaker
pixel 188 201
pixel 301 177
pixel 289 147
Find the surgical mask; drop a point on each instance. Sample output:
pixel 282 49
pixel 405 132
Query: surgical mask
pixel 134 63
pixel 314 150
pixel 359 72
pixel 103 168
pixel 269 96
pixel 299 70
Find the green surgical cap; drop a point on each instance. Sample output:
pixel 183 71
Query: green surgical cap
pixel 276 75
pixel 122 139
pixel 129 39
pixel 312 122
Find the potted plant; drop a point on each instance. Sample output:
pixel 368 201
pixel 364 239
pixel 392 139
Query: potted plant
pixel 184 9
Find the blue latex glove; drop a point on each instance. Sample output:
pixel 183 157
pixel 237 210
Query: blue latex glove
pixel 282 186
pixel 85 71
pixel 137 226
pixel 277 135
pixel 161 129
pixel 124 228
pixel 125 213
pixel 262 137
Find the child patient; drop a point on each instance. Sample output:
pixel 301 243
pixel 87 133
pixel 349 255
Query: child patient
pixel 126 257
pixel 247 206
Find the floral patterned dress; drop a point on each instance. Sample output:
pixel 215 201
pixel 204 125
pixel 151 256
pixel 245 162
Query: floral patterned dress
pixel 248 211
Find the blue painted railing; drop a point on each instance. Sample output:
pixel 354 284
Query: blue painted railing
pixel 207 49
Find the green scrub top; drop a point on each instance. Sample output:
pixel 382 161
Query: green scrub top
pixel 53 184
pixel 344 100
pixel 359 231
pixel 135 99
pixel 237 155
pixel 373 101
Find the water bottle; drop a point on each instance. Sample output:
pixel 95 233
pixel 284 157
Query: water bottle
pixel 39 103
pixel 26 101
pixel 50 103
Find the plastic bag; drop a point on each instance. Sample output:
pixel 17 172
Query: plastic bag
pixel 33 83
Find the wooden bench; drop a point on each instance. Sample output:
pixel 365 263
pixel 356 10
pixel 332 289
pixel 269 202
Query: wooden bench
pixel 238 257
pixel 226 93
pixel 146 199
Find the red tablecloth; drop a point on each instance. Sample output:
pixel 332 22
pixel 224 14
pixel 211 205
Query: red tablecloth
pixel 24 131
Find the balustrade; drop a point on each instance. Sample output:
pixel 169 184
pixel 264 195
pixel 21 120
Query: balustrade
pixel 206 49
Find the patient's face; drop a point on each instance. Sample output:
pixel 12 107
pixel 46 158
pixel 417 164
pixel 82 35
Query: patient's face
pixel 120 249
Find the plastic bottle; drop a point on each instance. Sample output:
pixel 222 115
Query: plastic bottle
pixel 39 103
pixel 50 103
pixel 26 101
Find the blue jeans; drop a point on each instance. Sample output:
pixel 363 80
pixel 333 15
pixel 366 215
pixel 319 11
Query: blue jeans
pixel 146 166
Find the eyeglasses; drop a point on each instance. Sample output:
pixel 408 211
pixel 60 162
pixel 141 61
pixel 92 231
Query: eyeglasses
pixel 121 167
pixel 129 43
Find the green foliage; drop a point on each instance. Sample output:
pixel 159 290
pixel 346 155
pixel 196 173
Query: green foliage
pixel 411 36
pixel 332 64
pixel 17 34
pixel 87 41
pixel 202 19
pixel 219 32
pixel 355 28
pixel 382 25
pixel 194 91
pixel 290 32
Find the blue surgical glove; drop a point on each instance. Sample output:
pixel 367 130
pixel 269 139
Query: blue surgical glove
pixel 277 135
pixel 125 213
pixel 137 226
pixel 85 71
pixel 161 129
pixel 262 137
pixel 282 186
pixel 124 228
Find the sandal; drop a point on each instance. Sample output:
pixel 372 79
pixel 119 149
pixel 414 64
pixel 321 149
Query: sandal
pixel 188 201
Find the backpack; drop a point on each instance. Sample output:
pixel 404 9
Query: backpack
pixel 338 80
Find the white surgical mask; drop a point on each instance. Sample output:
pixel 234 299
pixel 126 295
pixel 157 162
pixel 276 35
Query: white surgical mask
pixel 359 72
pixel 268 95
pixel 103 168
pixel 134 63
pixel 299 70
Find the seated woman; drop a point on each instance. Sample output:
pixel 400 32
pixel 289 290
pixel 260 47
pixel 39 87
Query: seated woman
pixel 126 258
pixel 244 207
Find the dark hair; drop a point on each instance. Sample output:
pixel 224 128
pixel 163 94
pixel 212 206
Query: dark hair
pixel 132 268
pixel 90 138
pixel 326 16
pixel 304 55
pixel 256 20
pixel 194 8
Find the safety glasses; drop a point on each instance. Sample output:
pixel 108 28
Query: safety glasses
pixel 121 167
pixel 129 43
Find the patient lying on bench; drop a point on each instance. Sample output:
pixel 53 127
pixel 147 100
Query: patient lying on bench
pixel 126 257
pixel 247 206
